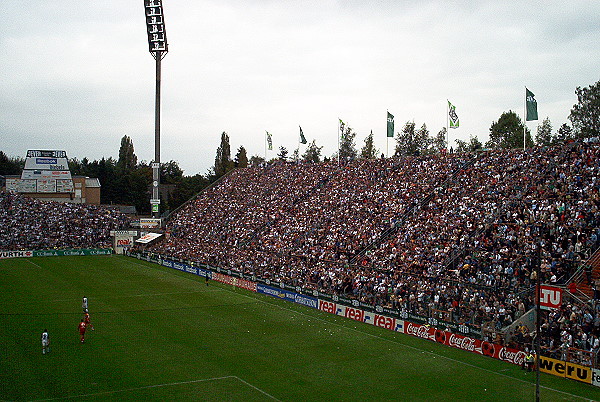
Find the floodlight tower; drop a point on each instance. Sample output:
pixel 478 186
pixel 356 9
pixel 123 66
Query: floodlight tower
pixel 157 44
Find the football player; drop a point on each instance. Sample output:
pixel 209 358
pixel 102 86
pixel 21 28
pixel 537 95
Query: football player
pixel 82 330
pixel 45 342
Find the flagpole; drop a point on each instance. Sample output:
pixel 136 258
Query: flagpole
pixel 447 125
pixel 339 130
pixel 524 117
pixel 387 139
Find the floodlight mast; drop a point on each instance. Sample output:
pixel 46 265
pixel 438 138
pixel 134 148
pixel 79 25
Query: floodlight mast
pixel 157 44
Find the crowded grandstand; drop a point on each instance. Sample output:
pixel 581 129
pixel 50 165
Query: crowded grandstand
pixel 457 236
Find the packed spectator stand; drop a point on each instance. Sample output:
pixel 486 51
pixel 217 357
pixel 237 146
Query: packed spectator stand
pixel 31 224
pixel 460 234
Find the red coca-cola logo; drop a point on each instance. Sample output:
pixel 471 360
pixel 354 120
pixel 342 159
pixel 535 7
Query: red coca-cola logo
pixel 419 331
pixel 512 356
pixel 462 342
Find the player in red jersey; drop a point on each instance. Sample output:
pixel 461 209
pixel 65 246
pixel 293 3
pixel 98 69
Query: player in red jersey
pixel 86 320
pixel 82 330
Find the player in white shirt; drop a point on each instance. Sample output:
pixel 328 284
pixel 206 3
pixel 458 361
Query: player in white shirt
pixel 84 304
pixel 45 342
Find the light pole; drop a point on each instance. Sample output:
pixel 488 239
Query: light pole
pixel 157 44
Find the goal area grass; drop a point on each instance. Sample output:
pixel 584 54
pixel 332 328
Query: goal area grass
pixel 162 334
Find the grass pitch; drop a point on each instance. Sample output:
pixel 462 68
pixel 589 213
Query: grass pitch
pixel 161 334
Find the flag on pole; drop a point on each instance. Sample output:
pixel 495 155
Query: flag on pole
pixel 390 124
pixel 342 125
pixel 530 106
pixel 453 117
pixel 269 141
pixel 302 139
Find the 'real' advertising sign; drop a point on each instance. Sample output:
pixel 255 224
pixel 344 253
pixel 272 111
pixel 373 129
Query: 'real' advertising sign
pixel 596 377
pixel 383 321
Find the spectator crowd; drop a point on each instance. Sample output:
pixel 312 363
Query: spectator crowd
pixel 31 224
pixel 460 233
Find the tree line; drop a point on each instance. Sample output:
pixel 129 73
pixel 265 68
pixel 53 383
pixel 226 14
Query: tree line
pixel 126 181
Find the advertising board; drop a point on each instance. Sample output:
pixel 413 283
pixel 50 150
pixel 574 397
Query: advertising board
pixel 550 297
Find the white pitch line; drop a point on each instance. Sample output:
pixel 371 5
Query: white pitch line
pixel 258 389
pixel 161 385
pixel 31 262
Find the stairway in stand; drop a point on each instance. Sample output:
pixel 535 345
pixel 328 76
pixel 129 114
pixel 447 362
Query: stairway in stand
pixel 582 282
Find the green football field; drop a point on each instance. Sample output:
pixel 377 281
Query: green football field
pixel 161 334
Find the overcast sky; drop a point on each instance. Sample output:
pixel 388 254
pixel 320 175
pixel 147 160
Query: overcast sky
pixel 77 75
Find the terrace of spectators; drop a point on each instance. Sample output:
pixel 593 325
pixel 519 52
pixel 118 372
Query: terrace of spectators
pixel 462 233
pixel 32 224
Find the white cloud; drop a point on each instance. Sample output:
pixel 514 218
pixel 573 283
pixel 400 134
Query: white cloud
pixel 79 76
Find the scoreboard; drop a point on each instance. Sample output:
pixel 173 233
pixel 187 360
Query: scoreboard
pixel 45 172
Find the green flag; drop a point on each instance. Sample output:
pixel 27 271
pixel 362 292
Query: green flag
pixel 390 125
pixel 453 117
pixel 302 139
pixel 269 141
pixel 530 106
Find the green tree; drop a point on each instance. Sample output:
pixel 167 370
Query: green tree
pixel 312 153
pixel 283 152
pixel 585 115
pixel 507 132
pixel 241 158
pixel 135 188
pixel 256 160
pixel 564 134
pixel 296 155
pixel 187 187
pixel 223 162
pixel 472 145
pixel 347 145
pixel 405 140
pixel 369 151
pixel 127 159
pixel 543 137
pixel 170 172
pixel 461 146
pixel 106 172
pixel 439 141
pixel 10 166
pixel 422 140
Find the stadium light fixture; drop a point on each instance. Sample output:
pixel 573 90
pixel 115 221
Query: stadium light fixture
pixel 158 46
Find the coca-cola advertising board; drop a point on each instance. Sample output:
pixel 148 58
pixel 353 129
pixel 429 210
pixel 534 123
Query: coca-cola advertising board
pixel 465 343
